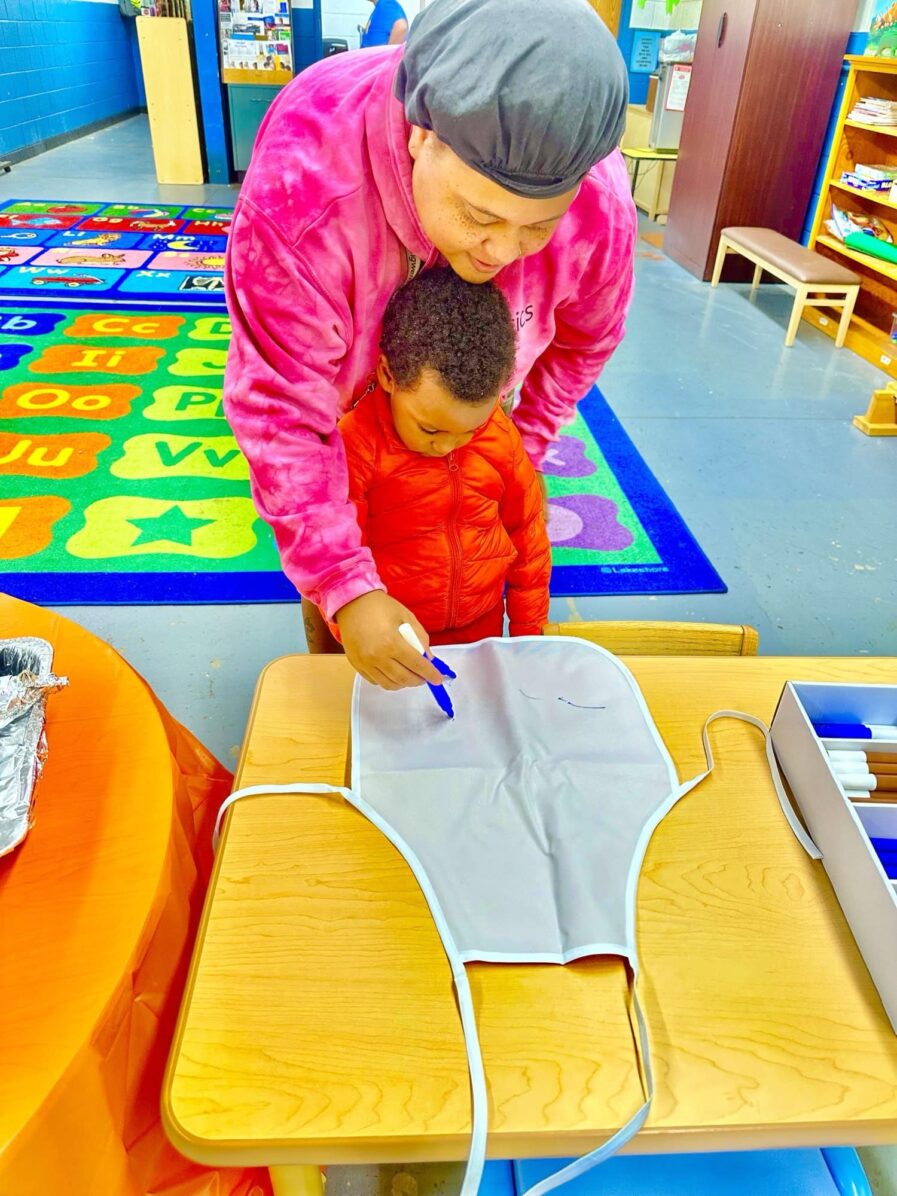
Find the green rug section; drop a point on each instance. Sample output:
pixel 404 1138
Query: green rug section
pixel 116 461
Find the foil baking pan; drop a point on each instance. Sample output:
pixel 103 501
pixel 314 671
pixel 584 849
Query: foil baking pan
pixel 26 680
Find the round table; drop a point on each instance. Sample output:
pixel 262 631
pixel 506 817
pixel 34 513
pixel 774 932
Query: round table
pixel 98 910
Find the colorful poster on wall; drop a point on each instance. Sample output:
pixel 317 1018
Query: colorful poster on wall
pixel 255 35
pixel 883 30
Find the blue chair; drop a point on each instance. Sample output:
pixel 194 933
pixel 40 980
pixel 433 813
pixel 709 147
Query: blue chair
pixel 498 1179
pixel 830 1172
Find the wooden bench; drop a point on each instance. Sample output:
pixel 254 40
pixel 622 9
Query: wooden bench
pixel 807 271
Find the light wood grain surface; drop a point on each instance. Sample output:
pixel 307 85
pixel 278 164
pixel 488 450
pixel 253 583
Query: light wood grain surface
pixel 645 637
pixel 319 1024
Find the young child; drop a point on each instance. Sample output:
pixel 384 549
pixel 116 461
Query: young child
pixel 448 501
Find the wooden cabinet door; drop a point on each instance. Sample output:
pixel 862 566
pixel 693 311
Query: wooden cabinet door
pixel 609 11
pixel 796 56
pixel 724 39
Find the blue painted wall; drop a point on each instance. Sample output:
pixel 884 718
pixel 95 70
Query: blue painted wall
pixel 131 31
pixel 856 44
pixel 307 36
pixel 638 84
pixel 215 130
pixel 63 64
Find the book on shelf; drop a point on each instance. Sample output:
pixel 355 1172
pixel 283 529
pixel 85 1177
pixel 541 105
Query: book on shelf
pixel 876 173
pixel 851 179
pixel 873 111
pixel 843 223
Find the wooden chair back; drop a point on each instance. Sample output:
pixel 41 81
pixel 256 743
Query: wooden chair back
pixel 635 638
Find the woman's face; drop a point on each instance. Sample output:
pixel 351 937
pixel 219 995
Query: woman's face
pixel 477 226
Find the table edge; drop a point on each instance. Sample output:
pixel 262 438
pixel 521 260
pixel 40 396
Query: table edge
pixel 455 1148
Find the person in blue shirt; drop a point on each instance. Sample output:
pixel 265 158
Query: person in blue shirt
pixel 388 25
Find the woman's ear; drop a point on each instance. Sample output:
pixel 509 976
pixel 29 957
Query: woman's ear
pixel 417 140
pixel 384 375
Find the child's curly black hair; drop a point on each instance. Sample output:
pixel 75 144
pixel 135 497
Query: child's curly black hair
pixel 462 330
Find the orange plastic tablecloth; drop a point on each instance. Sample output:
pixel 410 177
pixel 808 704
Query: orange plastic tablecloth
pixel 98 910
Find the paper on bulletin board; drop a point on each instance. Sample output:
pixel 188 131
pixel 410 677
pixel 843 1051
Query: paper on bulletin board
pixel 255 37
pixel 678 92
pixel 645 49
pixel 665 14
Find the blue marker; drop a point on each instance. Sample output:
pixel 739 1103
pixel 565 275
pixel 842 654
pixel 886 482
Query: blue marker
pixel 854 731
pixel 886 850
pixel 439 692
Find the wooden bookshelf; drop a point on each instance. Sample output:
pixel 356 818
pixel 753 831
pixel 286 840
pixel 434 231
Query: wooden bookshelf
pixel 879 265
pixel 878 197
pixel 885 130
pixel 855 142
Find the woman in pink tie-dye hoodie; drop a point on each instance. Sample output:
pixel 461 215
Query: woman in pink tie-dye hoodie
pixel 487 142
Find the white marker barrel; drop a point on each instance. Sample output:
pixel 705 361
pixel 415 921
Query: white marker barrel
pixel 857 780
pixel 842 757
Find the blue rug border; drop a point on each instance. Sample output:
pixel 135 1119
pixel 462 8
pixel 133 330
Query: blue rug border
pixel 677 548
pixel 149 589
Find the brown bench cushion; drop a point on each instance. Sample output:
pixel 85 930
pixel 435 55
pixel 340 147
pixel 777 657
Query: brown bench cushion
pixel 801 263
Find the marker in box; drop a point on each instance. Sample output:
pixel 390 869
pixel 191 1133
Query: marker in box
pixel 855 731
pixel 857 781
pixel 886 850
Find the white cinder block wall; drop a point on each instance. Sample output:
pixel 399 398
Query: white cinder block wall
pixel 341 18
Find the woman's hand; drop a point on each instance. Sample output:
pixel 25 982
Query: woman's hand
pixel 369 629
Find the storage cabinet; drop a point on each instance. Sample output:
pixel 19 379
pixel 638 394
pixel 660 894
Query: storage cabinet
pixel 763 81
pixel 248 105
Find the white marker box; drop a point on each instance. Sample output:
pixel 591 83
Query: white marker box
pixel 841 828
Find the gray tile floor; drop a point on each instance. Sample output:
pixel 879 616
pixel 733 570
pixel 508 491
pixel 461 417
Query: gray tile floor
pixel 753 442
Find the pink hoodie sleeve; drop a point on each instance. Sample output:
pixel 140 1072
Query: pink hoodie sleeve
pixel 588 327
pixel 282 403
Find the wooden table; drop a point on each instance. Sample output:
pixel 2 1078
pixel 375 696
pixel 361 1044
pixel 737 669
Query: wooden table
pixel 97 908
pixel 639 154
pixel 319 1024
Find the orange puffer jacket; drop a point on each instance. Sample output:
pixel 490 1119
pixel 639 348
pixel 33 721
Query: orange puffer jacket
pixel 451 535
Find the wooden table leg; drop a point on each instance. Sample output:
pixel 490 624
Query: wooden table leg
pixel 658 187
pixel 850 299
pixel 797 311
pixel 720 261
pixel 297 1181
